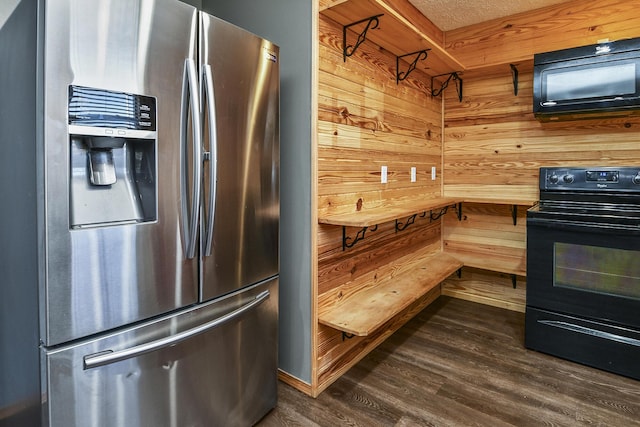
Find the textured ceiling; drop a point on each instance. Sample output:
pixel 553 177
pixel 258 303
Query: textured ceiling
pixel 452 14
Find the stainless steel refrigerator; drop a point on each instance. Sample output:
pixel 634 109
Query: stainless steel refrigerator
pixel 157 182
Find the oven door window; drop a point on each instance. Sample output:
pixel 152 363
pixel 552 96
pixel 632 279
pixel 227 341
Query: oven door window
pixel 597 269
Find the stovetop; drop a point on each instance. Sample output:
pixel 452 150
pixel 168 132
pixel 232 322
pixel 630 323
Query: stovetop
pixel 589 212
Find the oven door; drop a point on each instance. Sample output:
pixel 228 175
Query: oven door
pixel 583 293
pixel 584 269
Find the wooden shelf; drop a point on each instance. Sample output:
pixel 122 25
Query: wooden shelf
pixel 395 33
pixel 492 262
pixel 478 285
pixel 381 214
pixel 518 202
pixel 367 309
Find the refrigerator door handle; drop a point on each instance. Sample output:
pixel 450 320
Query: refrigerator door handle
pixel 190 103
pixel 210 97
pixel 108 356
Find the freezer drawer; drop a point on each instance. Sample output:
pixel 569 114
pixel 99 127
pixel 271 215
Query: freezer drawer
pixel 212 365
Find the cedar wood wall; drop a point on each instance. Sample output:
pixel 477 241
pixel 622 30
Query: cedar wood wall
pixel 366 121
pixel 492 150
pixel 493 146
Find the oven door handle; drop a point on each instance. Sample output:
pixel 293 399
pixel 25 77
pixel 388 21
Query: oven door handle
pixel 591 227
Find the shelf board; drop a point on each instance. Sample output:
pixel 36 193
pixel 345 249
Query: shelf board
pixel 381 214
pixel 485 289
pixel 366 310
pixel 495 262
pixel 395 33
pixel 520 202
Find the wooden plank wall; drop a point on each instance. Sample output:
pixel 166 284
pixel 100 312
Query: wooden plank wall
pixel 516 38
pixel 366 120
pixel 486 237
pixel 493 146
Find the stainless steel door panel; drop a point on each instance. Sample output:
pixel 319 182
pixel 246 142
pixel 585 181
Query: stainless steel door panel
pixel 106 277
pixel 245 79
pixel 223 375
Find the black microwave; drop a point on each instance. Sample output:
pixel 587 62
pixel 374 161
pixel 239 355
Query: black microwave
pixel 597 80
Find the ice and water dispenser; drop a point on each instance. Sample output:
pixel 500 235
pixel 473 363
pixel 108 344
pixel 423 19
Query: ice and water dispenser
pixel 113 163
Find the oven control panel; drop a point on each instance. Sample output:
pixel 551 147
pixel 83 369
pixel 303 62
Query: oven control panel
pixel 626 179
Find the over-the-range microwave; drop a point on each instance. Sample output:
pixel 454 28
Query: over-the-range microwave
pixel 589 81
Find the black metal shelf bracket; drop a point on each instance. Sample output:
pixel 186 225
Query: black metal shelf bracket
pixel 348 50
pixel 359 236
pixel 459 211
pixel 514 214
pixel 514 279
pixel 420 55
pixel 452 76
pixel 439 215
pixel 347 336
pixel 514 75
pixel 400 226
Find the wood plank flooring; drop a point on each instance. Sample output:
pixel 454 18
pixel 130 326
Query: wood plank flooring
pixel 459 363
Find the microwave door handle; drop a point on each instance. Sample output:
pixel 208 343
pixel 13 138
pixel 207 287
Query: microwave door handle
pixel 108 356
pixel 209 93
pixel 189 214
pixel 554 103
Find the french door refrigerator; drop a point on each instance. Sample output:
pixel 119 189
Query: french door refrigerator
pixel 158 216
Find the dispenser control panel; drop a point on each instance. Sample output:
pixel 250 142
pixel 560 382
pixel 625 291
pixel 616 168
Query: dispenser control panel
pixel 103 108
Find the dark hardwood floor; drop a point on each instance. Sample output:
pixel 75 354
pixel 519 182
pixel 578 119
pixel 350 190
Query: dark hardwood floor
pixel 459 363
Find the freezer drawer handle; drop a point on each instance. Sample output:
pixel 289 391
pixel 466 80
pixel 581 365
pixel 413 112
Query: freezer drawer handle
pixel 107 357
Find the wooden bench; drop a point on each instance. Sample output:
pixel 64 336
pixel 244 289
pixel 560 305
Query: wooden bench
pixel 362 310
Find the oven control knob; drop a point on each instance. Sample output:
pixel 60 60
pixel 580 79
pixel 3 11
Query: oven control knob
pixel 568 179
pixel 636 179
pixel 553 179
